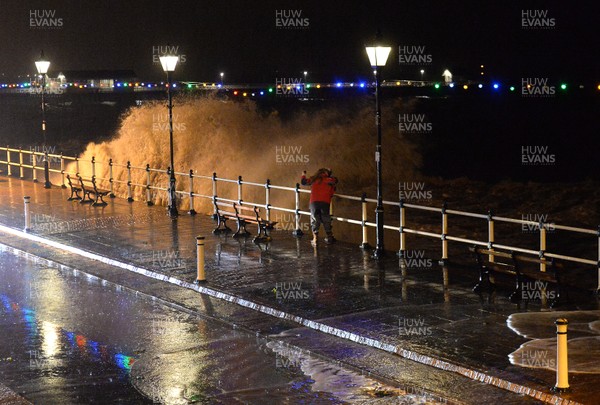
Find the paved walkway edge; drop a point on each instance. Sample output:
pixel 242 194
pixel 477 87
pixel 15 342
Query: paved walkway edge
pixel 408 354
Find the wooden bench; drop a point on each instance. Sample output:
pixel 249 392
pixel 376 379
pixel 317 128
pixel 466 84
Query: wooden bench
pixel 523 267
pixel 75 190
pixel 243 215
pixel 88 187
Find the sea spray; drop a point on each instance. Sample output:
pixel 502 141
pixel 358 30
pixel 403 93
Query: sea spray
pixel 234 138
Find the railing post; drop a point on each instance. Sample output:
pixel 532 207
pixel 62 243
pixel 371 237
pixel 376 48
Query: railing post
pixel 444 259
pixel 33 158
pixel 148 187
pixel 542 244
pixel 364 218
pixel 598 289
pixel 93 166
pixel 239 183
pixel 110 177
pixel 8 168
pixel 192 211
pixel 491 258
pixel 268 199
pixel 21 173
pixel 129 194
pixel 62 170
pixel 297 232
pixel 77 165
pixel 27 214
pixel 214 192
pixel 562 358
pixel 402 251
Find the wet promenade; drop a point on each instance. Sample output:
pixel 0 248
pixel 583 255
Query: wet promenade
pixel 290 290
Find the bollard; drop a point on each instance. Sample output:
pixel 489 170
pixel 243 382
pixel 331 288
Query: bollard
pixel 562 361
pixel 27 214
pixel 201 277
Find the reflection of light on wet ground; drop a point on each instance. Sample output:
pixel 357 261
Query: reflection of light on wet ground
pixel 50 339
pixel 50 336
pixel 583 342
pixel 346 385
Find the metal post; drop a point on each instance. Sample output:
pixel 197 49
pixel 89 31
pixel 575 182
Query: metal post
pixel 562 358
pixel 148 187
pixel 444 260
pixel 297 232
pixel 542 244
pixel 268 199
pixel 491 258
pixel 62 170
pixel 9 168
pixel 27 214
pixel 379 249
pixel 33 159
pixel 93 166
pixel 214 192
pixel 201 276
pixel 129 194
pixel 77 165
pixel 110 177
pixel 364 219
pixel 239 187
pixel 192 211
pixel 172 190
pixel 402 250
pixel 21 174
pixel 47 183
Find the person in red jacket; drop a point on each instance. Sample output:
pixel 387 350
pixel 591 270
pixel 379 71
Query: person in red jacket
pixel 322 185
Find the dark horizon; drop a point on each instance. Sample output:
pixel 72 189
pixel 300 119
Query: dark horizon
pixel 245 42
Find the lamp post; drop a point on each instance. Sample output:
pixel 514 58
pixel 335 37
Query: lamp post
pixel 422 73
pixel 168 63
pixel 378 56
pixel 221 74
pixel 42 66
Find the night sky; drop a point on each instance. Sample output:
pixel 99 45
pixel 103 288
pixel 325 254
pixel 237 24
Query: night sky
pixel 241 38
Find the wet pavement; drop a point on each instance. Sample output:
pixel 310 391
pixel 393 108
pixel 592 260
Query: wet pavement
pixel 425 313
pixel 71 338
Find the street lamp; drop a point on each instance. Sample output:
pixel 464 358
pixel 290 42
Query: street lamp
pixel 378 56
pixel 42 66
pixel 422 72
pixel 222 74
pixel 168 63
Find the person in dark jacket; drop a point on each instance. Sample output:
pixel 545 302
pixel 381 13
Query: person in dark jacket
pixel 322 185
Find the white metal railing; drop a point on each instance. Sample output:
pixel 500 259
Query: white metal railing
pixel 14 158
